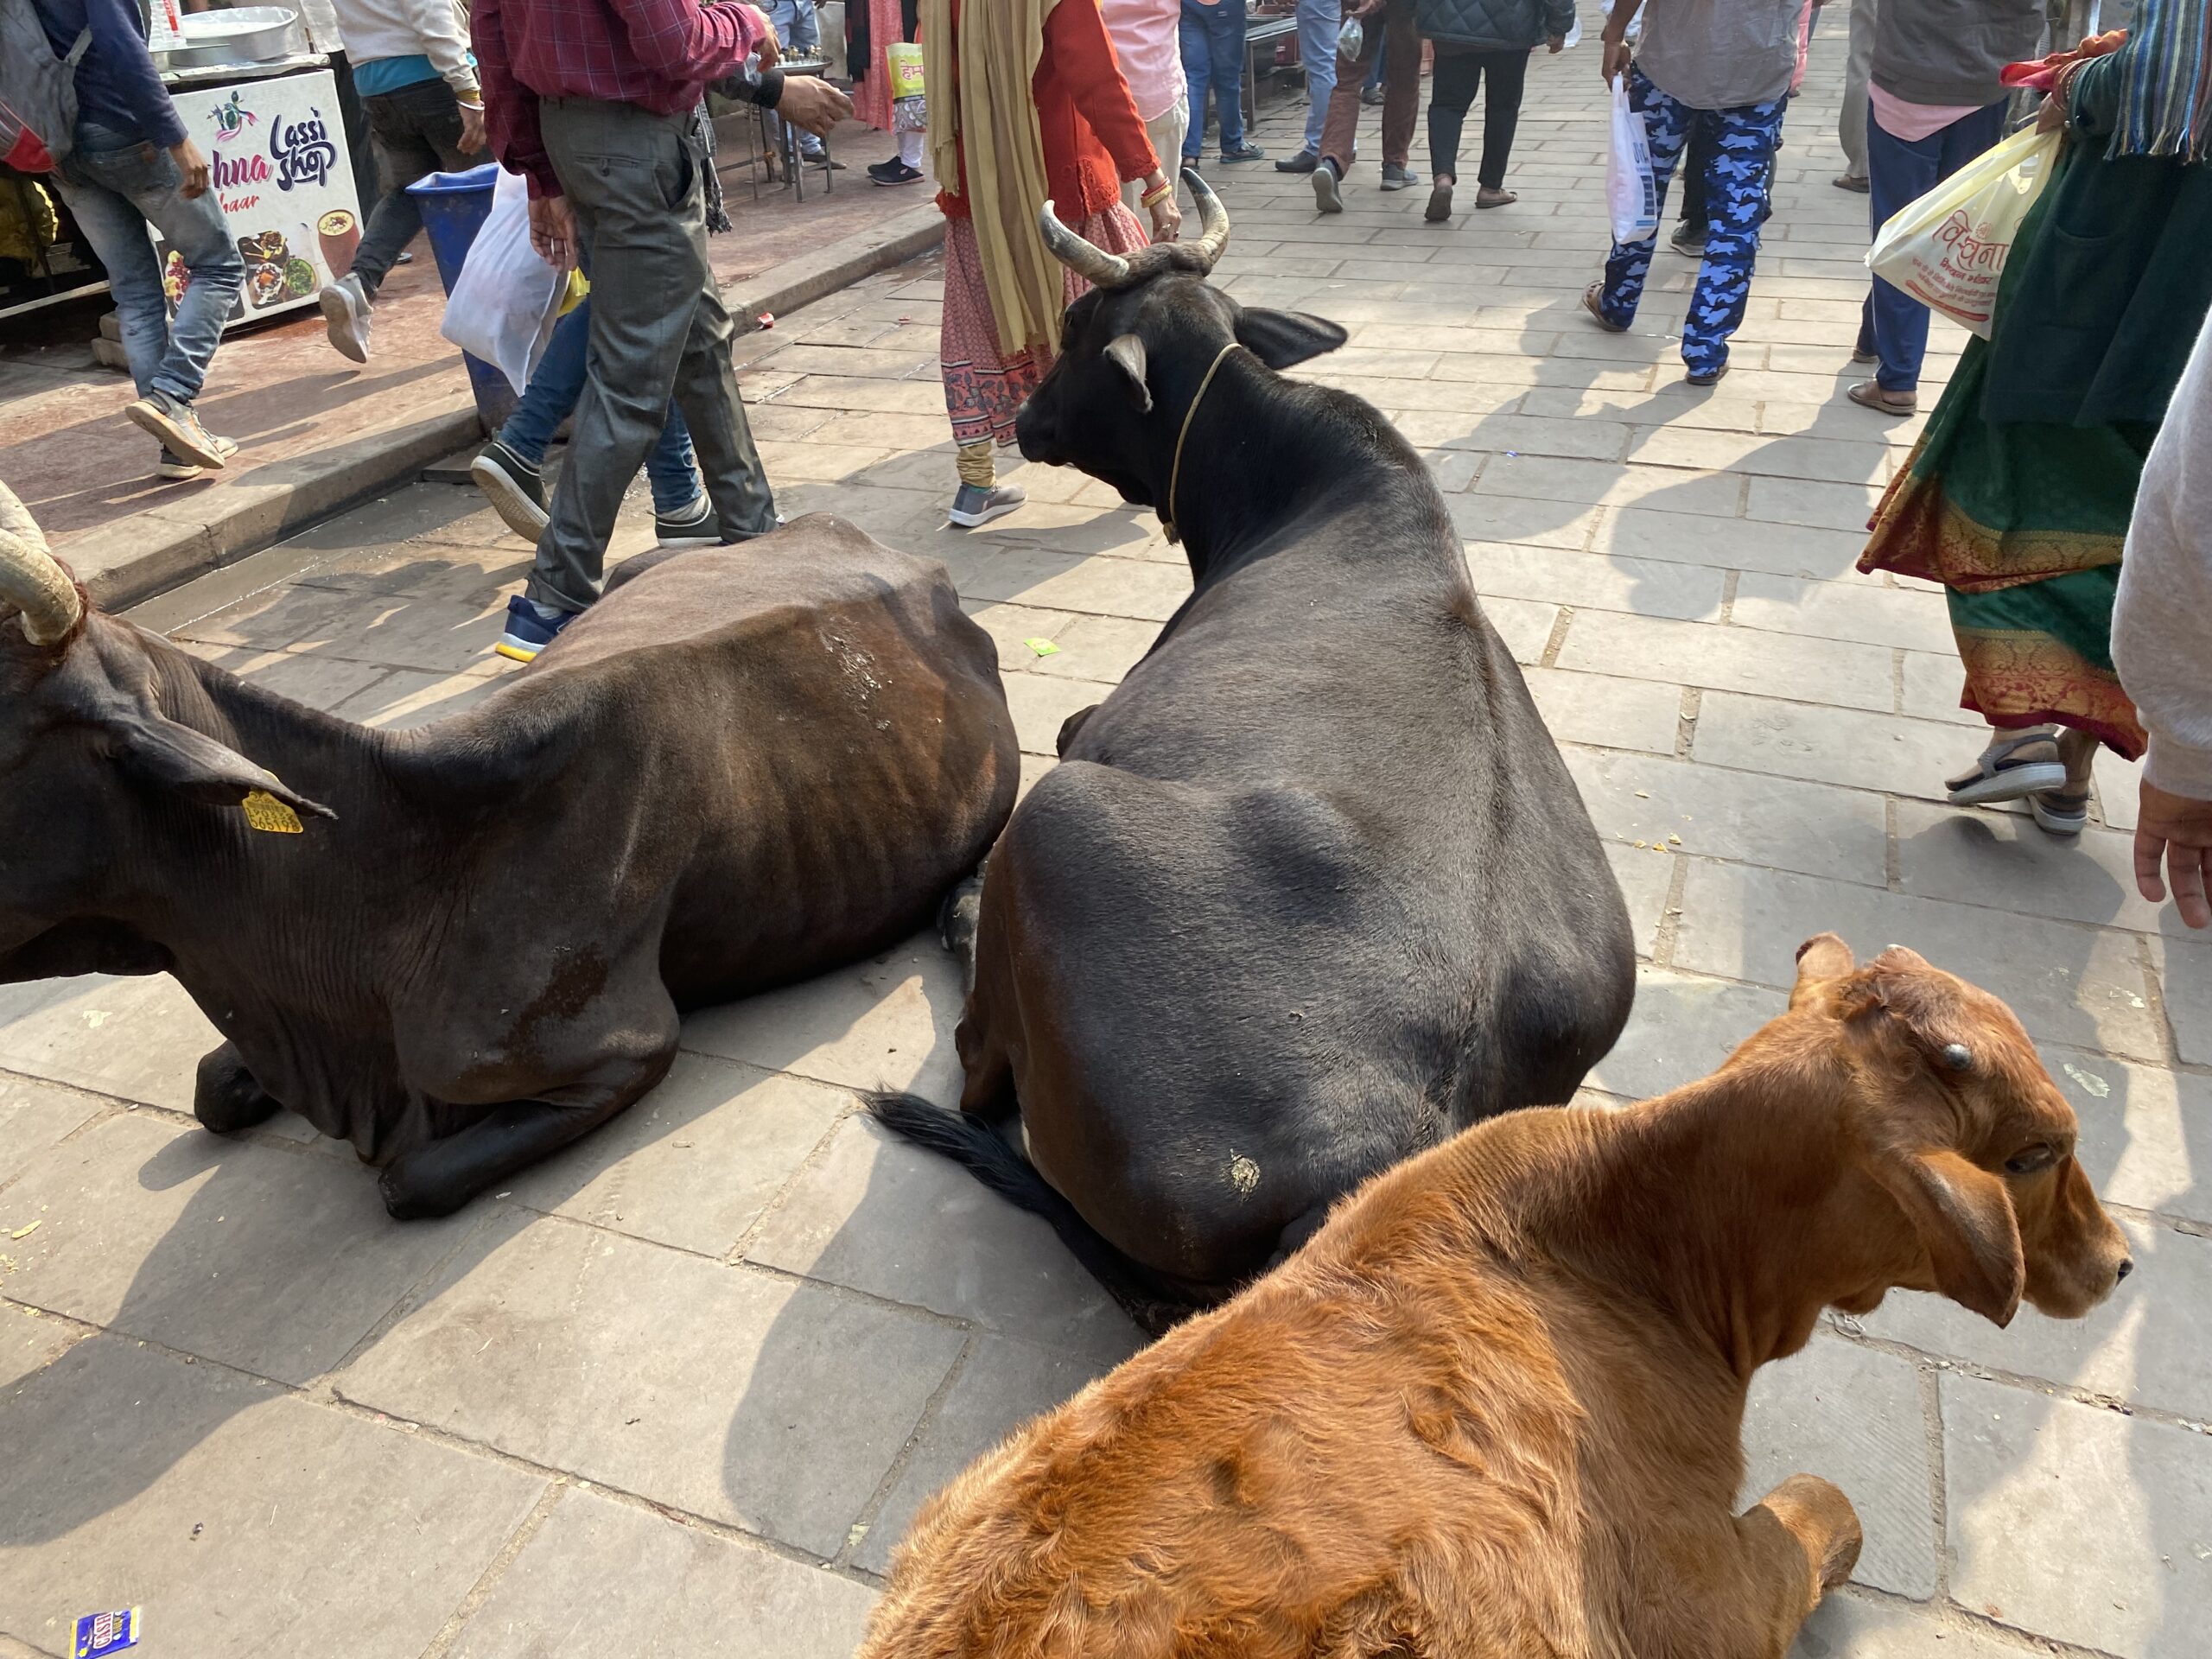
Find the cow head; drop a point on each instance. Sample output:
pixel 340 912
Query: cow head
pixel 89 761
pixel 1135 350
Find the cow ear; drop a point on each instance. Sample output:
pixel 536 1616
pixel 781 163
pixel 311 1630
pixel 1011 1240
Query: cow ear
pixel 1963 1217
pixel 175 756
pixel 1126 353
pixel 1822 958
pixel 1281 339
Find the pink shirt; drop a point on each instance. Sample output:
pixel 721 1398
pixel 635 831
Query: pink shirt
pixel 1912 122
pixel 1147 39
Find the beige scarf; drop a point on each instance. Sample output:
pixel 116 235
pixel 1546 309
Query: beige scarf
pixel 979 78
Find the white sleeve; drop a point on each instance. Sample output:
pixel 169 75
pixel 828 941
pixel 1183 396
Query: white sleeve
pixel 2162 620
pixel 445 42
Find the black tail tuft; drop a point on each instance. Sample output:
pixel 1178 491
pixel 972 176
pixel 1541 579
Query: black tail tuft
pixel 1154 1305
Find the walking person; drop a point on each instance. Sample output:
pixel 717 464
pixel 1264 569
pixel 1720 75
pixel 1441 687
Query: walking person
pixel 1004 293
pixel 1691 229
pixel 1147 40
pixel 510 468
pixel 1851 120
pixel 2162 646
pixel 411 65
pixel 1935 103
pixel 1381 21
pixel 617 165
pixel 128 163
pixel 1731 59
pixel 1480 41
pixel 872 28
pixel 1320 22
pixel 2019 494
pixel 1212 42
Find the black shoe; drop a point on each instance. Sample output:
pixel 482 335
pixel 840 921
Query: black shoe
pixel 1244 152
pixel 1687 240
pixel 1328 198
pixel 515 488
pixel 1372 96
pixel 1305 162
pixel 894 171
pixel 691 527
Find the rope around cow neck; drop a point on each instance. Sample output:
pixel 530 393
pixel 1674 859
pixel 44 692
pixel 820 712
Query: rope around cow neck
pixel 1175 476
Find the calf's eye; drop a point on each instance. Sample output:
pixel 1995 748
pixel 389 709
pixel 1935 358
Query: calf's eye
pixel 2035 1158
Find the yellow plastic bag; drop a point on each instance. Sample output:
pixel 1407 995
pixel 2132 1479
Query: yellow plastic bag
pixel 1948 249
pixel 904 59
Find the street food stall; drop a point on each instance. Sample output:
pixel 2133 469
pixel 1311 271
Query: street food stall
pixel 261 103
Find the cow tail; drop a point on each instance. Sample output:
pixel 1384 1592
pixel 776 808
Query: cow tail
pixel 1154 1305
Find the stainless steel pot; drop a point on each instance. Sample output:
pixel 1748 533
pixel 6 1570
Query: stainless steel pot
pixel 245 34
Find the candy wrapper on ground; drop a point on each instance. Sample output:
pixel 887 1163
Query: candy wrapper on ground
pixel 104 1633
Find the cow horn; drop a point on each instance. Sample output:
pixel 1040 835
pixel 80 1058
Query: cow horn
pixel 1091 263
pixel 1213 220
pixel 30 576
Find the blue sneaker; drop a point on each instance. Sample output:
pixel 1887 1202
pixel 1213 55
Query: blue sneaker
pixel 531 628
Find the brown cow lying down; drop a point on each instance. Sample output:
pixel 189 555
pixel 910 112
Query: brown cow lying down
pixel 462 945
pixel 1492 1410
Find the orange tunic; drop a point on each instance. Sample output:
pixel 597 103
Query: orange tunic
pixel 1093 138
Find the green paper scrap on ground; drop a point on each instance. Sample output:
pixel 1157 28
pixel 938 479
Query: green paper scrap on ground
pixel 1042 647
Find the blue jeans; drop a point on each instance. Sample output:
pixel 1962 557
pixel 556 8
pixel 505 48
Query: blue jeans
pixel 1320 22
pixel 1374 73
pixel 116 185
pixel 1213 55
pixel 1739 195
pixel 800 31
pixel 555 385
pixel 1893 325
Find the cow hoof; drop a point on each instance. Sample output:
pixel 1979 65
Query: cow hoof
pixel 409 1197
pixel 226 1098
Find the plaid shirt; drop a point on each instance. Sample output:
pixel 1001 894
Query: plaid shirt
pixel 658 54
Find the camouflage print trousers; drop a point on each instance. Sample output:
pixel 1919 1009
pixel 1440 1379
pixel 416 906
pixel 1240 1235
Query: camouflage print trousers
pixel 1739 186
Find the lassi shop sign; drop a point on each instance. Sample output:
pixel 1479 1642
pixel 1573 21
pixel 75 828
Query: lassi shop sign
pixel 278 159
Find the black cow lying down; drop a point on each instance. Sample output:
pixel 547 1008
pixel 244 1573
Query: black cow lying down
pixel 1312 890
pixel 462 946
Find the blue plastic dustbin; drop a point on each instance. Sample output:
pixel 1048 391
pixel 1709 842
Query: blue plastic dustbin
pixel 455 207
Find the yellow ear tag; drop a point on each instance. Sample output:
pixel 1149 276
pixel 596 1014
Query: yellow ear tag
pixel 265 811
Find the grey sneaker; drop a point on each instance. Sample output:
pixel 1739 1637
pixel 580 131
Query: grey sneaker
pixel 346 310
pixel 691 527
pixel 1399 178
pixel 174 465
pixel 974 505
pixel 171 420
pixel 514 488
pixel 1687 239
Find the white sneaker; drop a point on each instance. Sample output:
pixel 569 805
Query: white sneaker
pixel 346 310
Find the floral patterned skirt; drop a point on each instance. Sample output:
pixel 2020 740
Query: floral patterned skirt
pixel 984 388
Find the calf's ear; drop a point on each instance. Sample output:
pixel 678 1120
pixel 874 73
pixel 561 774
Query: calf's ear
pixel 175 756
pixel 1279 339
pixel 1963 1217
pixel 1126 353
pixel 1820 958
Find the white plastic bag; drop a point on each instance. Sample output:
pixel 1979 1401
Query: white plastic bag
pixel 1631 191
pixel 1948 249
pixel 506 301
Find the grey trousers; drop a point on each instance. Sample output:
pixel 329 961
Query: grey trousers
pixel 658 328
pixel 1851 125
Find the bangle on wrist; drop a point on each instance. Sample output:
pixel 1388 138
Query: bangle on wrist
pixel 1152 198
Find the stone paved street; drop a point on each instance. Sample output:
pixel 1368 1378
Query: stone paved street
pixel 679 1391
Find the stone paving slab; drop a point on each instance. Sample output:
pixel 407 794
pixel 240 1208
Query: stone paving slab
pixel 681 1389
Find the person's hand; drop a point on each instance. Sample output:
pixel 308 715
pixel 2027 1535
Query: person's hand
pixel 2180 831
pixel 1555 44
pixel 812 104
pixel 192 169
pixel 1166 217
pixel 471 128
pixel 2051 116
pixel 1367 8
pixel 1614 59
pixel 553 231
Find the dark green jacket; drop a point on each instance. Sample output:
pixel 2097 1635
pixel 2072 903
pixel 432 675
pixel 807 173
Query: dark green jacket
pixel 1493 25
pixel 2109 281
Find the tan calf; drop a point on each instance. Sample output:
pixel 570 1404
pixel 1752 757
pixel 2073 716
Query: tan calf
pixel 1493 1409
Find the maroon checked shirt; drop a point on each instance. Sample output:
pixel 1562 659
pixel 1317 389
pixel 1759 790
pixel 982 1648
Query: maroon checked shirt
pixel 658 54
